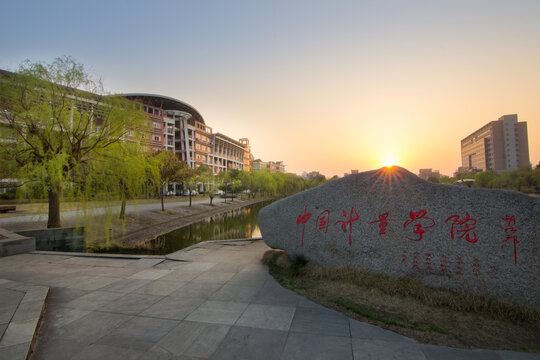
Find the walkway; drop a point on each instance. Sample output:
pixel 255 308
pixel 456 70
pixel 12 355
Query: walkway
pixel 65 215
pixel 212 301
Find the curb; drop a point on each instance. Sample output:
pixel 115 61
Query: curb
pixel 19 337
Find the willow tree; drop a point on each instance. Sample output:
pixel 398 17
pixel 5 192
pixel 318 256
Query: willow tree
pixel 120 171
pixel 59 120
pixel 205 175
pixel 163 168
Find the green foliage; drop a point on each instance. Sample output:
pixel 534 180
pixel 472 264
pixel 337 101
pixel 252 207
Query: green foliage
pixel 262 182
pixel 164 167
pixel 210 182
pixel 522 178
pixel 59 122
pixel 8 195
pixel 120 171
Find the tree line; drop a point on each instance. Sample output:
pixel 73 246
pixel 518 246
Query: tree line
pixel 523 178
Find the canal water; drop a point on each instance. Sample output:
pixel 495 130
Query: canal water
pixel 235 224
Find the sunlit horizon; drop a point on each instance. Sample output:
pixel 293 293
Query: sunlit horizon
pixel 322 86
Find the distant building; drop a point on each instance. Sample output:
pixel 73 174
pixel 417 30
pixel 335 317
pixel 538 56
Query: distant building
pixel 426 174
pixel 248 159
pixel 499 145
pixel 311 175
pixel 354 171
pixel 271 166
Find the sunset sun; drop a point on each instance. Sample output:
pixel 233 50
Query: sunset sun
pixel 389 162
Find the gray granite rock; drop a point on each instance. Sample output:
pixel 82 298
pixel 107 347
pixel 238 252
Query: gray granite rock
pixel 390 221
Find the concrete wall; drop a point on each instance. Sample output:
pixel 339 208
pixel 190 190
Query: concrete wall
pixel 12 243
pixel 60 239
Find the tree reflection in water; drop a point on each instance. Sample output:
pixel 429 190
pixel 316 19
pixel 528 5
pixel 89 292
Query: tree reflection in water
pixel 236 224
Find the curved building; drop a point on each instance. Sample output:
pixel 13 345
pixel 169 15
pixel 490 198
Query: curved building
pixel 179 127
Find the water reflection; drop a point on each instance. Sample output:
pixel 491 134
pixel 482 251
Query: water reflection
pixel 235 224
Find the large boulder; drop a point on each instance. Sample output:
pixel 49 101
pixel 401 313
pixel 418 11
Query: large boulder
pixel 391 222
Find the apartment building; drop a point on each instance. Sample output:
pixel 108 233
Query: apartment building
pixel 271 166
pixel 179 127
pixel 426 174
pixel 499 145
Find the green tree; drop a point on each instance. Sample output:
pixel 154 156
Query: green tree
pixel 209 181
pixel 264 182
pixel 484 178
pixel 121 170
pixel 518 177
pixel 444 179
pixel 61 120
pixel 166 168
pixel 248 183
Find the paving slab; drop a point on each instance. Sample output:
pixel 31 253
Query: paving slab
pixel 21 309
pixel 218 312
pixel 193 339
pixel 447 353
pixel 140 333
pixel 160 287
pixel 130 304
pixel 173 308
pixel 383 350
pixel 318 320
pixel 245 343
pixel 320 347
pixel 270 317
pixel 213 301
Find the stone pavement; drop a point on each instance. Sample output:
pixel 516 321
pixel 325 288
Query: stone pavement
pixel 214 300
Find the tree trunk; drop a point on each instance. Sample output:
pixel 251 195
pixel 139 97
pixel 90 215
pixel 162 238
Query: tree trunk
pixel 123 206
pixel 54 208
pixel 211 198
pixel 190 197
pixel 162 205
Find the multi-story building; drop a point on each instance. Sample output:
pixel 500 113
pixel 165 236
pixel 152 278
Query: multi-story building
pixel 429 173
pixel 179 127
pixel 247 154
pixel 499 145
pixel 310 175
pixel 271 166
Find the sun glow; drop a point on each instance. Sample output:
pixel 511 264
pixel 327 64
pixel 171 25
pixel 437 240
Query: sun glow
pixel 389 162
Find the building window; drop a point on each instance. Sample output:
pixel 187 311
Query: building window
pixel 156 125
pixel 157 138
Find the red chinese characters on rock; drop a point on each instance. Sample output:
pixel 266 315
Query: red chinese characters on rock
pixel 383 222
pixel 428 262
pixel 418 226
pixel 510 233
pixel 444 268
pixel 348 222
pixel 464 226
pixel 323 220
pixel 476 267
pixel 302 220
pixel 459 265
pixel 415 260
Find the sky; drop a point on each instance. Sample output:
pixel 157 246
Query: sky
pixel 326 86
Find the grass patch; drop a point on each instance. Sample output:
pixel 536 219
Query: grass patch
pixel 429 315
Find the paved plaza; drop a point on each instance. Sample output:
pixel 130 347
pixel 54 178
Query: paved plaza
pixel 214 300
